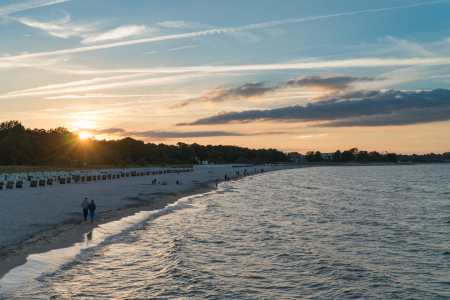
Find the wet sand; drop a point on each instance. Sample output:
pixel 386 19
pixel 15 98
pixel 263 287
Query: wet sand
pixel 37 220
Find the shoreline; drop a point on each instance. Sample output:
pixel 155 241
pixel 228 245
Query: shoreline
pixel 67 234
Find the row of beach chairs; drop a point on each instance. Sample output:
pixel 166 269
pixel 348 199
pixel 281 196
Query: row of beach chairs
pixel 16 180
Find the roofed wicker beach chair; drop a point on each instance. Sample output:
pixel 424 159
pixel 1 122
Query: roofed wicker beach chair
pixel 33 182
pixel 62 179
pixel 10 183
pixel 19 183
pixel 50 180
pixel 42 181
pixel 2 184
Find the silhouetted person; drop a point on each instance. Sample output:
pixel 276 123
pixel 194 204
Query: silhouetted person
pixel 85 205
pixel 92 210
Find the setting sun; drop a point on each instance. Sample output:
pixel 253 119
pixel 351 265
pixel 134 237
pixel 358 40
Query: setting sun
pixel 83 135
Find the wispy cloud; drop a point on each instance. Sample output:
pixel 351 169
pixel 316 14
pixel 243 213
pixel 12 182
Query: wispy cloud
pixel 220 30
pixel 9 9
pixel 119 33
pixel 34 62
pixel 219 95
pixel 358 108
pixel 61 27
pixel 74 88
pixel 176 134
pixel 118 96
pixel 322 64
pixel 71 84
pixel 183 24
pixel 411 47
pixel 184 47
pixel 162 135
pixel 151 52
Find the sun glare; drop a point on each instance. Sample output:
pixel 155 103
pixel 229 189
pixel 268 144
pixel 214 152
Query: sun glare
pixel 83 135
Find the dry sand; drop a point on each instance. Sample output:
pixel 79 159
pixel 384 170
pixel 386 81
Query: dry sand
pixel 37 220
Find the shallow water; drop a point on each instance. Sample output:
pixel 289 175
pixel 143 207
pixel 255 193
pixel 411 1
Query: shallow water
pixel 313 233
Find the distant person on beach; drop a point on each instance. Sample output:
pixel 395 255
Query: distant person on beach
pixel 217 182
pixel 85 205
pixel 92 210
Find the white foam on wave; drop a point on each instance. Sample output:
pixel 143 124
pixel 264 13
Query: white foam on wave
pixel 49 262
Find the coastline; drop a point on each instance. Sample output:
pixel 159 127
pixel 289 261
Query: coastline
pixel 71 231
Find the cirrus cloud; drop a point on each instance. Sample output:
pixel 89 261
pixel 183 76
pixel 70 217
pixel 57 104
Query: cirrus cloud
pixel 119 33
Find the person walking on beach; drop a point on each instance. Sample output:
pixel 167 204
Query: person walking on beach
pixel 217 182
pixel 85 205
pixel 92 210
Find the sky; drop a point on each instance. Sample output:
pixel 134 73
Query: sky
pixel 299 75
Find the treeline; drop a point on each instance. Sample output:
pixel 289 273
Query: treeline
pixel 22 146
pixel 356 155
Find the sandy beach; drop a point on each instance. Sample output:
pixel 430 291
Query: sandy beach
pixel 37 220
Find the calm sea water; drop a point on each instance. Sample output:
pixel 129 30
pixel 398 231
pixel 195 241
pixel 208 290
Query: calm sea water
pixel 313 233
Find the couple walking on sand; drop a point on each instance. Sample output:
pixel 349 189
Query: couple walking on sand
pixel 88 207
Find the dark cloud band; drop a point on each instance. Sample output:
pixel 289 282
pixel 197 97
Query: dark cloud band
pixel 327 83
pixel 373 108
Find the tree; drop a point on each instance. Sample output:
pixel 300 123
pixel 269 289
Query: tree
pixel 362 156
pixel 318 156
pixel 347 156
pixel 336 156
pixel 310 156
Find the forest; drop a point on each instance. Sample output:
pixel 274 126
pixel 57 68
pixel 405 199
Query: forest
pixel 356 155
pixel 21 146
pixel 59 146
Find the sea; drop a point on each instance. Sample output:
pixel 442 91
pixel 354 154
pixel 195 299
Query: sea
pixel 345 232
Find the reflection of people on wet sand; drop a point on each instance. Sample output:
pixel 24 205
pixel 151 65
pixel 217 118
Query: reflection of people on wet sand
pixel 89 236
pixel 154 181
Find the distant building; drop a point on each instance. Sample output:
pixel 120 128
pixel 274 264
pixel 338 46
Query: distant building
pixel 327 156
pixel 297 157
